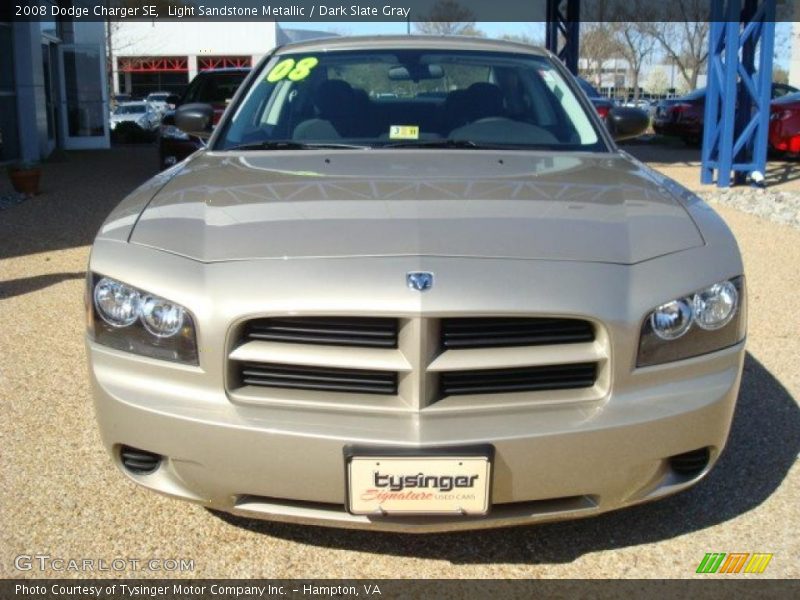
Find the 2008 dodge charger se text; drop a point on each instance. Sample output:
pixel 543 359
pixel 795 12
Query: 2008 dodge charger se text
pixel 412 284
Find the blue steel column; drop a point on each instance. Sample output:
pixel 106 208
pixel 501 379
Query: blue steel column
pixel 738 95
pixel 563 30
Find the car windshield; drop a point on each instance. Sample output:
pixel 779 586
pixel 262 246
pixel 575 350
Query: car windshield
pixel 410 98
pixel 129 109
pixel 158 97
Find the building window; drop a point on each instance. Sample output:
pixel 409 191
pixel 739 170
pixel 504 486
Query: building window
pixel 9 142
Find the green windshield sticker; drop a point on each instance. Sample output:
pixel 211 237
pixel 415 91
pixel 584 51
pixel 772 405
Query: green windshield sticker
pixel 291 70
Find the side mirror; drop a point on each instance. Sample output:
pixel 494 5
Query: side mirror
pixel 626 122
pixel 195 119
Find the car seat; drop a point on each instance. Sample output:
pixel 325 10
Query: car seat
pixel 337 112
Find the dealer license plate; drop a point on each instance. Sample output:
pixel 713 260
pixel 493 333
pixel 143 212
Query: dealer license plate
pixel 418 485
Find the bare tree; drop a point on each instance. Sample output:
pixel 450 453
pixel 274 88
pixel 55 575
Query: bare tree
pixel 598 46
pixel 635 45
pixel 685 43
pixel 448 17
pixel 524 37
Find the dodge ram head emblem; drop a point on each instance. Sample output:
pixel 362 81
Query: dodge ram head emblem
pixel 419 280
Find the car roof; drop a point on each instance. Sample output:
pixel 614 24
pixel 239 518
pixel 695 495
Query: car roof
pixel 395 42
pixel 134 103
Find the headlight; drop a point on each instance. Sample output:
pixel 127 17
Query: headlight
pixel 707 320
pixel 162 318
pixel 715 306
pixel 172 132
pixel 671 320
pixel 117 303
pixel 127 318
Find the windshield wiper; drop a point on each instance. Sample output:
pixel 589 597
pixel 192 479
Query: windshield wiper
pixel 293 145
pixel 445 143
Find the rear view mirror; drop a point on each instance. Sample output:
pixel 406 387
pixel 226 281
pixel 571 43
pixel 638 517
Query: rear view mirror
pixel 195 119
pixel 415 72
pixel 626 122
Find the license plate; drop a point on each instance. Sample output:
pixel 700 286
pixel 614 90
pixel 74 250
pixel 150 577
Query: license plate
pixel 418 485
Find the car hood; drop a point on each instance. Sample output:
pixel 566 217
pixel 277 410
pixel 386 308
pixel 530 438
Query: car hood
pixel 469 203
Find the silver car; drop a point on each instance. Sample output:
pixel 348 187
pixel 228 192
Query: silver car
pixel 412 284
pixel 142 114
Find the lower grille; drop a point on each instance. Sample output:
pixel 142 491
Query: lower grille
pixel 371 332
pixel 139 462
pixel 495 332
pixel 302 377
pixel 527 379
pixel 690 463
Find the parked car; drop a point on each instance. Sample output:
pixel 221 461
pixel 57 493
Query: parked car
pixel 683 116
pixel 140 113
pixel 416 315
pixel 602 104
pixel 613 114
pixel 641 103
pixel 215 87
pixel 784 124
pixel 160 101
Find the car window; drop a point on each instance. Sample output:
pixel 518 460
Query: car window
pixel 379 98
pixel 780 89
pixel 214 87
pixel 129 109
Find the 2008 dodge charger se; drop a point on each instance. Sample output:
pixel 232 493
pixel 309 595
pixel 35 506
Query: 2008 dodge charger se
pixel 412 284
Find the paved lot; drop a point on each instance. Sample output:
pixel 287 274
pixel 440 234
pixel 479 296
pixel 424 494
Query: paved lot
pixel 61 496
pixel 681 162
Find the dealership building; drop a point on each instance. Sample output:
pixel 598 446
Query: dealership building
pixel 166 55
pixel 54 75
pixel 52 88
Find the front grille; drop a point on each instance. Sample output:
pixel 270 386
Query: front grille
pixel 502 331
pixel 371 332
pixel 301 377
pixel 411 363
pixel 527 379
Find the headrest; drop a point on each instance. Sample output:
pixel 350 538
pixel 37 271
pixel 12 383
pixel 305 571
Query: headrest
pixel 334 97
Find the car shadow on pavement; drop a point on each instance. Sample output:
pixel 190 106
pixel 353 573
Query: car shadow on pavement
pixel 763 444
pixel 26 285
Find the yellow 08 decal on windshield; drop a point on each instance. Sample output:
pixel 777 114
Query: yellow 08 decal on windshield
pixel 291 70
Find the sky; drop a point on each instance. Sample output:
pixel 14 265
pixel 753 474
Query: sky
pixel 535 30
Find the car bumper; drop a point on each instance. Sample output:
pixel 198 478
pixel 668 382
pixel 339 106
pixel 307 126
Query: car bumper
pixel 287 464
pixel 688 129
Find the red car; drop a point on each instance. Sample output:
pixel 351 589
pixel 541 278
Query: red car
pixel 683 117
pixel 215 87
pixel 784 124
